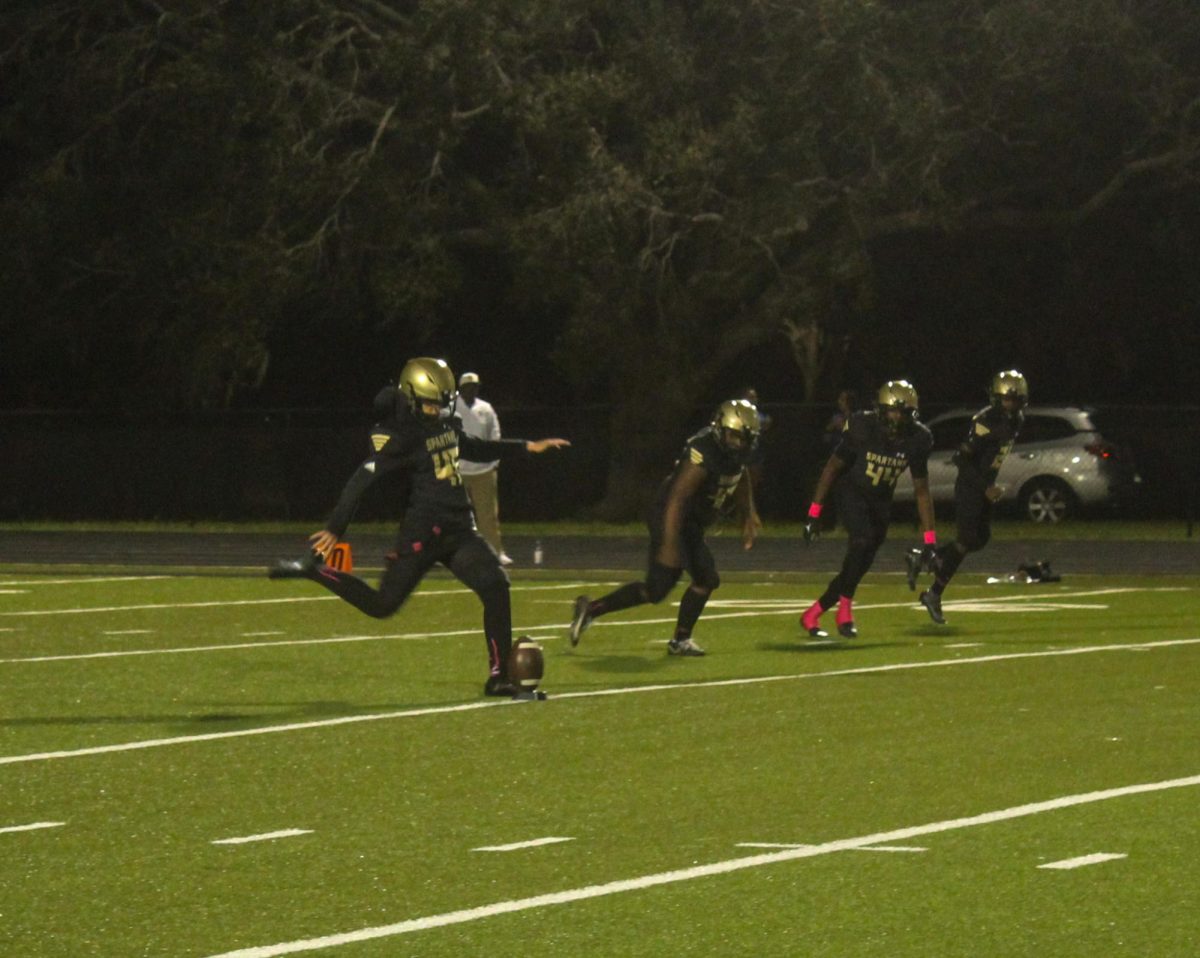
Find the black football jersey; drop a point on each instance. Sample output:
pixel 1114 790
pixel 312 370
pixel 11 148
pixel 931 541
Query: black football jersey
pixel 723 470
pixel 426 454
pixel 875 459
pixel 990 439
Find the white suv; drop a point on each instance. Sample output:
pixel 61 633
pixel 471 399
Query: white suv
pixel 1059 464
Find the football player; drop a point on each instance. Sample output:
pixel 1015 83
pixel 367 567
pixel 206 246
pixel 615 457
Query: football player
pixel 876 448
pixel 420 437
pixel 990 439
pixel 709 478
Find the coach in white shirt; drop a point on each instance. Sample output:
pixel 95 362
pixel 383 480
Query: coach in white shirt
pixel 481 478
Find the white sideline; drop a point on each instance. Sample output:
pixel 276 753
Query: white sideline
pixel 700 871
pixel 593 693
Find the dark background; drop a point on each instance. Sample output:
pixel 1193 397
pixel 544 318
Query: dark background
pixel 227 225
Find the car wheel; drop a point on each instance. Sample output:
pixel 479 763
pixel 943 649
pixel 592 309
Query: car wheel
pixel 1048 500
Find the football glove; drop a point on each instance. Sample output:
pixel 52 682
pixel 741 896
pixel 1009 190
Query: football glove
pixel 812 525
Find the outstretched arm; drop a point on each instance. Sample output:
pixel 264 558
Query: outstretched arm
pixel 541 445
pixel 373 468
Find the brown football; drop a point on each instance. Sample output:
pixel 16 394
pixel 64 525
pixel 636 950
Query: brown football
pixel 526 665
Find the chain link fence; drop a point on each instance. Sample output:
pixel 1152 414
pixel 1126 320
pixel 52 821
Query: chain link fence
pixel 291 463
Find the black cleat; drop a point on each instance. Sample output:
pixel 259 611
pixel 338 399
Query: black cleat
pixel 294 568
pixel 912 564
pixel 845 618
pixel 933 605
pixel 499 686
pixel 580 619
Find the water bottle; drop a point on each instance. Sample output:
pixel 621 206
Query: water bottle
pixel 538 555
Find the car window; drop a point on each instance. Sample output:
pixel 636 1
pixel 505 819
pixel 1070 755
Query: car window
pixel 949 433
pixel 1044 429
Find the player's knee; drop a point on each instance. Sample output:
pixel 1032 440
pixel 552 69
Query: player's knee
pixel 385 606
pixel 706 584
pixel 659 582
pixel 656 590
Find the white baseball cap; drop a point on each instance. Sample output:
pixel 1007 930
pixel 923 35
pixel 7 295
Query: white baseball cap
pixel 468 378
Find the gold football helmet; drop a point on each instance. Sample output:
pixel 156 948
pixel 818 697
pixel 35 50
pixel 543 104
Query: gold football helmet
pixel 737 418
pixel 897 394
pixel 427 380
pixel 1010 383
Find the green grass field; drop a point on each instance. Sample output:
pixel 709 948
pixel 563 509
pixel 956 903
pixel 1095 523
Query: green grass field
pixel 897 795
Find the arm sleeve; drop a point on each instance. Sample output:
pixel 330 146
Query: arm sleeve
pixel 918 463
pixel 383 462
pixel 967 456
pixel 485 450
pixel 847 448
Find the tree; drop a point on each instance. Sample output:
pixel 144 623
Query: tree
pixel 196 182
pixel 671 183
pixel 739 165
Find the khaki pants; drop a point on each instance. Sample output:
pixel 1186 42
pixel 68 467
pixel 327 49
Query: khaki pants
pixel 482 489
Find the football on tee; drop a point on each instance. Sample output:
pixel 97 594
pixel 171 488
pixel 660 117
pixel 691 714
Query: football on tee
pixel 526 665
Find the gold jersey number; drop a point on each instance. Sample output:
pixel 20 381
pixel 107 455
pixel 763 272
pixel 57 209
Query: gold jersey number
pixel 883 475
pixel 445 466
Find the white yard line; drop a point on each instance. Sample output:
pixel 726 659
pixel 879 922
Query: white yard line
pixel 171 605
pixel 99 578
pixel 726 867
pixel 616 623
pixel 594 693
pixel 32 827
pixel 863 848
pixel 264 837
pixel 280 601
pixel 1094 859
pixel 517 846
pixel 234 646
